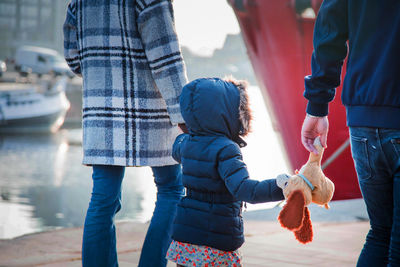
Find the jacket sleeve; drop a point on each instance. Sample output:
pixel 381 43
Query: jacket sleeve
pixel 176 147
pixel 70 39
pixel 234 172
pixel 330 50
pixel 157 32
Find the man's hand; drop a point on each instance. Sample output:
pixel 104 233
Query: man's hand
pixel 183 127
pixel 311 129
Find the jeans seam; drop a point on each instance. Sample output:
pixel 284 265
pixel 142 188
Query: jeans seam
pixel 387 163
pixel 364 141
pixel 393 141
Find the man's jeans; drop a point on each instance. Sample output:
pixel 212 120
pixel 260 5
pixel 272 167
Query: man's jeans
pixel 376 154
pixel 99 240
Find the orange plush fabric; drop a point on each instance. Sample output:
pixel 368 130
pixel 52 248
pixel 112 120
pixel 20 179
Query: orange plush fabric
pixel 291 216
pixel 305 233
pixel 295 216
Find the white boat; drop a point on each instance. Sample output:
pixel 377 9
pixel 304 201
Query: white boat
pixel 32 108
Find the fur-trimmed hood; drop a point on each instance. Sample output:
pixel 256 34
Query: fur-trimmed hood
pixel 212 106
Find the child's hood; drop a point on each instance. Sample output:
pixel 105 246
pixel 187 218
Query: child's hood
pixel 211 107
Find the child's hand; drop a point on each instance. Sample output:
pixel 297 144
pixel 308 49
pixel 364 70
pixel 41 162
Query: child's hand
pixel 282 180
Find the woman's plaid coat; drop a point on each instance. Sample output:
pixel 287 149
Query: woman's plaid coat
pixel 129 57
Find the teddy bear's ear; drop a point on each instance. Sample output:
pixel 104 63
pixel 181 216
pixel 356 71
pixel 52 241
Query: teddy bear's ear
pixel 305 233
pixel 291 216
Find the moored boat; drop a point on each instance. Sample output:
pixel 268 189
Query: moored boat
pixel 31 108
pixel 278 36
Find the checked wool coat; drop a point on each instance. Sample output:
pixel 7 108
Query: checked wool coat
pixel 128 54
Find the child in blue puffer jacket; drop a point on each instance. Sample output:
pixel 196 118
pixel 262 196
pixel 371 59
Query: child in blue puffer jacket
pixel 208 228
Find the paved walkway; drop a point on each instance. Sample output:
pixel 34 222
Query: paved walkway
pixel 267 244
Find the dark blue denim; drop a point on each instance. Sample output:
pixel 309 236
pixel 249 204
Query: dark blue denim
pixel 99 240
pixel 376 154
pixel 158 238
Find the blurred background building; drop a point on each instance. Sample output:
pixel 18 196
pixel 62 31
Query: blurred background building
pixel 39 23
pixel 31 22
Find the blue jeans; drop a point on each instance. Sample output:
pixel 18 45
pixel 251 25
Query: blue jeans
pixel 99 240
pixel 376 154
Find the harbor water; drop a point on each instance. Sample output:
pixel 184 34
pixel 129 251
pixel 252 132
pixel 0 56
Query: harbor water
pixel 43 184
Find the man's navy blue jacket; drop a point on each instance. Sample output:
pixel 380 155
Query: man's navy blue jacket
pixel 214 174
pixel 371 88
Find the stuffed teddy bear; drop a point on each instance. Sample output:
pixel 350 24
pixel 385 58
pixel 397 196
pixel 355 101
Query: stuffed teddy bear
pixel 306 186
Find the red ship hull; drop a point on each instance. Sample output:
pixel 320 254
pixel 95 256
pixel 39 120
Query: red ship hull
pixel 279 44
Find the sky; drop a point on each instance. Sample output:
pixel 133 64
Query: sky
pixel 202 25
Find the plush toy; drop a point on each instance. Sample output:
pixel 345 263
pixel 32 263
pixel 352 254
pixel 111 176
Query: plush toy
pixel 306 186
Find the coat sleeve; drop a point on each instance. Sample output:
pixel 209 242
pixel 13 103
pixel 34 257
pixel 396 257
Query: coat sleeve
pixel 71 53
pixel 234 172
pixel 176 147
pixel 330 50
pixel 157 32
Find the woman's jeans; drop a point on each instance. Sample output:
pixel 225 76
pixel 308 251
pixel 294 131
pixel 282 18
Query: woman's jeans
pixel 99 240
pixel 376 154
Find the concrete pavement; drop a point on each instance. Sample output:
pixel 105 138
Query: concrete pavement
pixel 267 244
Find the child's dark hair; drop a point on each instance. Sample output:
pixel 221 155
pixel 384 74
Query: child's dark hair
pixel 245 114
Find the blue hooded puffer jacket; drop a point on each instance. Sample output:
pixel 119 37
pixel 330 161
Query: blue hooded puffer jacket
pixel 214 174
